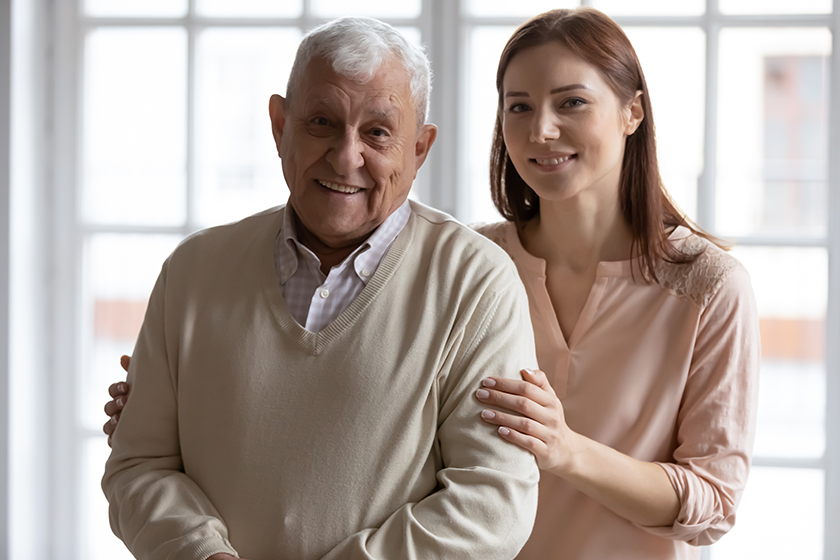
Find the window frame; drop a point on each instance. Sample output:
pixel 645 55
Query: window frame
pixel 445 30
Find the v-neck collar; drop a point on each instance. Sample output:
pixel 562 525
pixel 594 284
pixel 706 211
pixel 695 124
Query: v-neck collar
pixel 315 342
pixel 556 355
pixel 535 268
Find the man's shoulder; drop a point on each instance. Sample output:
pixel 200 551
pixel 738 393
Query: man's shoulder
pixel 444 228
pixel 496 232
pixel 459 251
pixel 239 233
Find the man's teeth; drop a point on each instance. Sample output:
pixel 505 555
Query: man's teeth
pixel 339 188
pixel 553 161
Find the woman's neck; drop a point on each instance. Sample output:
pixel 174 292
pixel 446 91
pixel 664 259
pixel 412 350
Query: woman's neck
pixel 578 234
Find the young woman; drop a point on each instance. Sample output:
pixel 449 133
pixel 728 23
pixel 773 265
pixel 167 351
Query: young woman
pixel 642 418
pixel 646 330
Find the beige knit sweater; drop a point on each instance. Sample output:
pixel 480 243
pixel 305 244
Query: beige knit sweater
pixel 247 434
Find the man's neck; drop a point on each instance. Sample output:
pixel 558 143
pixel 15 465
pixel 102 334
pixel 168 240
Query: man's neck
pixel 328 255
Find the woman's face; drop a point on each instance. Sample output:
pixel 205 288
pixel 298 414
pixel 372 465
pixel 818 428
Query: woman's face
pixel 563 126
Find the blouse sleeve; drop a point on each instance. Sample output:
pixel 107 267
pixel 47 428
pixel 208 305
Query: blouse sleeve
pixel 716 422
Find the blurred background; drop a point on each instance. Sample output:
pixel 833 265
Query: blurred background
pixel 128 124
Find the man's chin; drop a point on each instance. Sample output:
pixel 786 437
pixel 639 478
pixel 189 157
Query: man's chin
pixel 337 235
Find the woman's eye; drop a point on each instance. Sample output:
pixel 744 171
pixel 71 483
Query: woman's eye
pixel 574 103
pixel 518 108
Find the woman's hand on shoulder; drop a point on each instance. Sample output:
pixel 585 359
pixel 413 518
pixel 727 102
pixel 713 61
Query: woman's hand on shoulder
pixel 534 419
pixel 119 396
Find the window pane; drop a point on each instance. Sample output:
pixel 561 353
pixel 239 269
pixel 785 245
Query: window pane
pixel 651 7
pixel 773 131
pixel 136 8
pixel 134 126
pixel 99 542
pixel 523 8
pixel 238 172
pixel 775 7
pixel 676 81
pixel 119 273
pixel 791 288
pixel 249 8
pixel 412 35
pixel 485 46
pixel 372 8
pixel 780 517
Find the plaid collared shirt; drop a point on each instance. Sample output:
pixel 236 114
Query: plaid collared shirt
pixel 315 300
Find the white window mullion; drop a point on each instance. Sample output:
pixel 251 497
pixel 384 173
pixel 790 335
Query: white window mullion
pixel 706 180
pixel 446 51
pixel 63 341
pixel 832 417
pixel 706 187
pixel 192 31
pixel 307 19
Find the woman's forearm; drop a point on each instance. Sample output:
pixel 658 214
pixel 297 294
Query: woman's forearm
pixel 636 490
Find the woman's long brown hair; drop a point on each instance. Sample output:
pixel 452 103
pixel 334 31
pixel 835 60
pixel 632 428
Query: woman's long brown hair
pixel 645 203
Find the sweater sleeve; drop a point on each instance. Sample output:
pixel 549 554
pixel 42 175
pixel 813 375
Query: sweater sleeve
pixel 156 509
pixel 716 423
pixel 486 499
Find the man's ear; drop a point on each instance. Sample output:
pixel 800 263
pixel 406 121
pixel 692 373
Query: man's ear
pixel 636 114
pixel 423 144
pixel 277 113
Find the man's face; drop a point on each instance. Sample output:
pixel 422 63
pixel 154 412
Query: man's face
pixel 350 151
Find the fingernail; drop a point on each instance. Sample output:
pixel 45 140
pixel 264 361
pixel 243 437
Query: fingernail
pixel 113 420
pixel 529 371
pixel 482 394
pixel 121 387
pixel 489 382
pixel 488 414
pixel 120 401
pixel 504 431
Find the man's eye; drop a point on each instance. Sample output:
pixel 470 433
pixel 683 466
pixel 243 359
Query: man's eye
pixel 378 132
pixel 320 121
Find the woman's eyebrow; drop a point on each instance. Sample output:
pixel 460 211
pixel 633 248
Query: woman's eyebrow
pixel 567 88
pixel 555 90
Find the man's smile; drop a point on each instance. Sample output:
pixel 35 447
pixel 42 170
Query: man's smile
pixel 338 187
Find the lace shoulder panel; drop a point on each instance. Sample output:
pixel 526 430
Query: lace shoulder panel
pixel 494 232
pixel 697 281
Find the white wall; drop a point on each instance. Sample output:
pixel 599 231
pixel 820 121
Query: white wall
pixel 5 115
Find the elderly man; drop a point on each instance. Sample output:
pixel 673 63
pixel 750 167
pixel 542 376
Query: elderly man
pixel 302 386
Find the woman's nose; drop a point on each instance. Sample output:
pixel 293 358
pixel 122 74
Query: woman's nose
pixel 544 127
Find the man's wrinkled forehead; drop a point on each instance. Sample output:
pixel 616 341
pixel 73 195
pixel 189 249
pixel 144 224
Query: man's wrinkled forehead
pixel 384 96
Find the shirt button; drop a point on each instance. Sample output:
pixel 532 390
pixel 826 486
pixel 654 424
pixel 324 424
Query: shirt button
pixel 325 293
pixel 365 272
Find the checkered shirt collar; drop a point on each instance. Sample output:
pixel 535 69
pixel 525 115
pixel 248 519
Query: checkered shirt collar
pixel 367 256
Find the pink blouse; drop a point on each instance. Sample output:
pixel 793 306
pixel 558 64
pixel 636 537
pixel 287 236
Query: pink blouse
pixel 664 372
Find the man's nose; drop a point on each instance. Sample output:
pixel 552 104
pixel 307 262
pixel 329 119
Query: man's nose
pixel 544 127
pixel 347 153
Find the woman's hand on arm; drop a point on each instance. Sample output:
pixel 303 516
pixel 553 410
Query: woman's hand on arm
pixel 540 425
pixel 119 396
pixel 637 490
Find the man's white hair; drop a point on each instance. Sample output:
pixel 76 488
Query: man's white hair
pixel 356 47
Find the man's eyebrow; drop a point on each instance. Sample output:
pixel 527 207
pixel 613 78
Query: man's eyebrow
pixel 317 102
pixel 383 115
pixel 555 90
